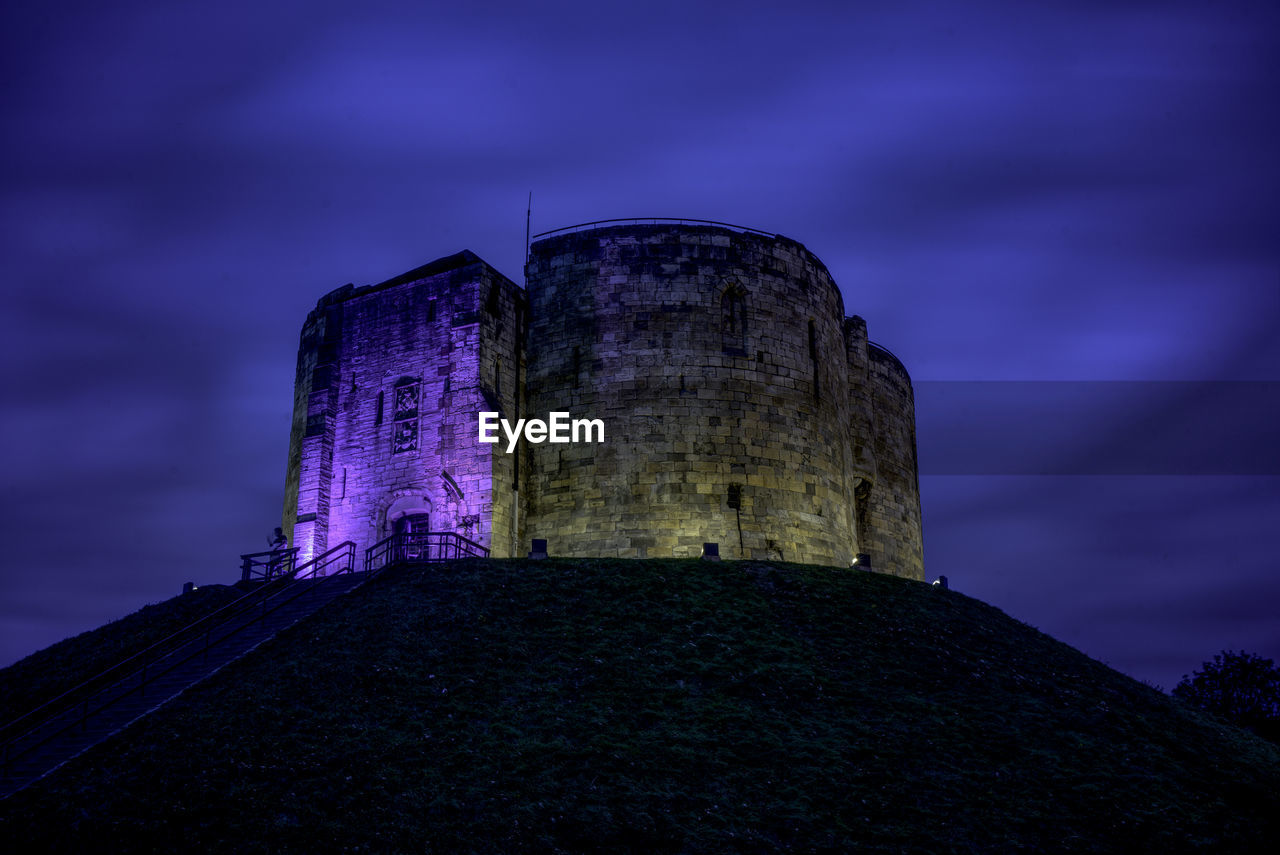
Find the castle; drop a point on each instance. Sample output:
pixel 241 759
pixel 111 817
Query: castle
pixel 740 406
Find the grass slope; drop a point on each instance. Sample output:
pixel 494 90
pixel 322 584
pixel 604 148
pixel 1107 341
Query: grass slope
pixel 662 706
pixel 46 674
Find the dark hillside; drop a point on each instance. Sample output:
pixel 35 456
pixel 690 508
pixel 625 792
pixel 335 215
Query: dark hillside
pixel 662 706
pixel 46 674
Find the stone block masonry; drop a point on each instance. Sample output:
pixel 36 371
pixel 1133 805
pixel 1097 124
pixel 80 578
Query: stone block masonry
pixel 391 377
pixel 740 405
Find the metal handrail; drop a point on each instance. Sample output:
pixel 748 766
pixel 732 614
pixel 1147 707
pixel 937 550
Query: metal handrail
pixel 345 550
pixel 640 221
pixel 342 552
pixel 421 546
pixel 276 563
pixel 170 643
pixel 871 345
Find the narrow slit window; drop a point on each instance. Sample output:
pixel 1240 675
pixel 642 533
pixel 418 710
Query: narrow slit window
pixel 733 319
pixel 813 358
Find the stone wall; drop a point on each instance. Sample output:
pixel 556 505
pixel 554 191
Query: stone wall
pixel 716 360
pixel 501 369
pixel 308 477
pixel 896 543
pixel 393 376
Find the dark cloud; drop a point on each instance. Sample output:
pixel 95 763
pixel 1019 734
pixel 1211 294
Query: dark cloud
pixel 1005 192
pixel 1098 428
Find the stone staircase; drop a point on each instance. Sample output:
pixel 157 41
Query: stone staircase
pixel 70 732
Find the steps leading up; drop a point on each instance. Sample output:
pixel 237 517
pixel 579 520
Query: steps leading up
pixel 73 731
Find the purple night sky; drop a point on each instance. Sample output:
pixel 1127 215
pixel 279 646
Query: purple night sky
pixel 1072 192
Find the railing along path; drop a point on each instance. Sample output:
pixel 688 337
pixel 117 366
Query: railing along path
pixel 147 666
pixel 420 546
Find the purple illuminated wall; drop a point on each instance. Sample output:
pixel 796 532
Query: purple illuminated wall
pixel 390 378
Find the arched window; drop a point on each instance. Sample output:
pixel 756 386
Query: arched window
pixel 733 319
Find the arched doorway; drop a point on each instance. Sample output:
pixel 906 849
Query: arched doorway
pixel 414 542
pixel 409 519
pixel 413 523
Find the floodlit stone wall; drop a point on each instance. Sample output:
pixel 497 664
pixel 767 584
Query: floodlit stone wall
pixel 895 541
pixel 740 406
pixel 390 378
pixel 715 358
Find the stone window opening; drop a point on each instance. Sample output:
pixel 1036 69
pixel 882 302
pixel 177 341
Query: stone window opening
pixel 733 319
pixel 813 358
pixel 862 515
pixel 377 409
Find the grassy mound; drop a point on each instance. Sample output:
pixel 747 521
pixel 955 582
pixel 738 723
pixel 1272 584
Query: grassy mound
pixel 46 674
pixel 662 706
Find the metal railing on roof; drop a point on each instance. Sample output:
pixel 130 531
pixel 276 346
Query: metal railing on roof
pixel 872 347
pixel 645 221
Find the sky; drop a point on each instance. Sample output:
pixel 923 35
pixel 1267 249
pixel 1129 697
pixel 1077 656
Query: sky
pixel 1062 217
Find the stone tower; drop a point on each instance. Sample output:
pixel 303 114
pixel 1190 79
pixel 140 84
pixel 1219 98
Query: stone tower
pixel 740 405
pixel 389 380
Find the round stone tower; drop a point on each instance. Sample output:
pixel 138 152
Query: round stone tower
pixel 741 407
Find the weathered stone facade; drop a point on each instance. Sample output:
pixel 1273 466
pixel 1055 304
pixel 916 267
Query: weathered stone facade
pixel 740 405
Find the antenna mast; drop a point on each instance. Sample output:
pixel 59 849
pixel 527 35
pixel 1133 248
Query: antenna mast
pixel 528 215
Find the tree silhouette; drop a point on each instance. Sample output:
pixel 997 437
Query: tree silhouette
pixel 1240 687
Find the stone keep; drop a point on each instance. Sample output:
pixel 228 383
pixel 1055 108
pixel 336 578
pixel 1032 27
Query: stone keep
pixel 740 405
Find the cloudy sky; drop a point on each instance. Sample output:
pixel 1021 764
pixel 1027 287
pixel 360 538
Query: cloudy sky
pixel 1063 219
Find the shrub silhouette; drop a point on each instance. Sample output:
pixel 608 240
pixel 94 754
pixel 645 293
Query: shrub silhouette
pixel 1241 687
